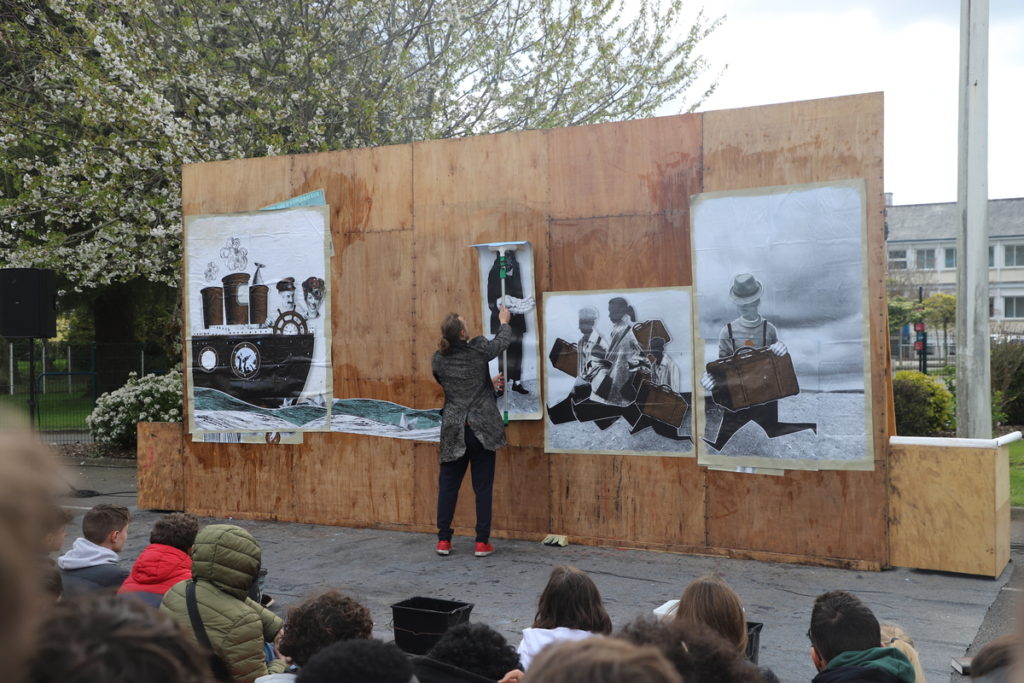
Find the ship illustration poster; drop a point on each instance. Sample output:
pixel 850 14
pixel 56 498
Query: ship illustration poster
pixel 257 315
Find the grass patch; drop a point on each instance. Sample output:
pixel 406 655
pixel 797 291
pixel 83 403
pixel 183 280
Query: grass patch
pixel 1017 473
pixel 54 411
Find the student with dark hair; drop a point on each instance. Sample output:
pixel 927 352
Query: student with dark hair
pixel 165 561
pixel 102 638
pixel 320 621
pixel 569 608
pixel 467 653
pixel 604 660
pixel 92 562
pixel 698 653
pixel 365 661
pixel 846 643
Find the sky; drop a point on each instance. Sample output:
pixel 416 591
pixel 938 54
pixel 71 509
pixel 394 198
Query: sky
pixel 788 50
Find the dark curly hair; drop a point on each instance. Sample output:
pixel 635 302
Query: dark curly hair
pixel 177 530
pixel 321 620
pixel 697 652
pixel 366 661
pixel 103 637
pixel 477 648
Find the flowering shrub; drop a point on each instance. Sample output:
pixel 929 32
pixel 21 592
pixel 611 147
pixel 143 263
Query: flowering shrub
pixel 153 398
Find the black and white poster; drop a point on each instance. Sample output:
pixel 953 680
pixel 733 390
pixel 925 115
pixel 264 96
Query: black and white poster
pixel 781 334
pixel 618 371
pixel 258 321
pixel 506 275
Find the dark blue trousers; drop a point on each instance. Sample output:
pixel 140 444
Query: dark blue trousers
pixel 450 479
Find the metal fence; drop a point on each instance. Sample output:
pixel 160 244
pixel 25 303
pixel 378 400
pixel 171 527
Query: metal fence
pixel 68 379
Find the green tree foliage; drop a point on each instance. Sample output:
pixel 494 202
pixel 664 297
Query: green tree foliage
pixel 901 311
pixel 924 406
pixel 1007 363
pixel 103 101
pixel 939 312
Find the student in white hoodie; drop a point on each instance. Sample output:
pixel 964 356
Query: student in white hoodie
pixel 570 608
pixel 92 562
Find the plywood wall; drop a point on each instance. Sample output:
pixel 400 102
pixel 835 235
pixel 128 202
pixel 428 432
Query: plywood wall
pixel 605 207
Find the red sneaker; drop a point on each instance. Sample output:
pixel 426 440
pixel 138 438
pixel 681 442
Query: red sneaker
pixel 483 549
pixel 444 547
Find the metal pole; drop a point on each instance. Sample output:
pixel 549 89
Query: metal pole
pixel 31 383
pixel 973 373
pixel 504 354
pixel 10 361
pixel 43 344
pixel 69 368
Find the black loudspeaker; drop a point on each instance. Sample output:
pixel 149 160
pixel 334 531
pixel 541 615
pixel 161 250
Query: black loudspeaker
pixel 28 303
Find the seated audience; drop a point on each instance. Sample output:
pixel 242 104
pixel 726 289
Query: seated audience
pixel 100 637
pixel 992 663
pixel 698 653
pixel 165 561
pixel 467 653
pixel 846 643
pixel 92 562
pixel 570 608
pixel 893 635
pixel 365 661
pixel 601 660
pixel 320 621
pixel 225 561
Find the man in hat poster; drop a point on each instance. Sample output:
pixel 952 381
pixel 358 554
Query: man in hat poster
pixel 750 330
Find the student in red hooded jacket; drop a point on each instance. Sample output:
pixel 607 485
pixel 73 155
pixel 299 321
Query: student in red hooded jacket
pixel 165 561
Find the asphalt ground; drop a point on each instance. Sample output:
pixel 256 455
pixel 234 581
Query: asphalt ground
pixel 946 614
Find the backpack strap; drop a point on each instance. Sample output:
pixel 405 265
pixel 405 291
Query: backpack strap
pixel 193 615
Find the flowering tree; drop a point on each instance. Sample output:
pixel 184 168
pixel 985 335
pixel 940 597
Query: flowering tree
pixel 102 100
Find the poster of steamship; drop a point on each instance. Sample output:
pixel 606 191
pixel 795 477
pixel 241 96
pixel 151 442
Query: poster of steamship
pixel 257 313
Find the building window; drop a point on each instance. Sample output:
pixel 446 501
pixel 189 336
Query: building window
pixel 924 259
pixel 950 257
pixel 1013 255
pixel 991 305
pixel 991 256
pixel 897 259
pixel 1013 307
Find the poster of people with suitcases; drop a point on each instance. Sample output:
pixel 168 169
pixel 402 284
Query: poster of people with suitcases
pixel 618 371
pixel 781 335
pixel 506 275
pixel 258 329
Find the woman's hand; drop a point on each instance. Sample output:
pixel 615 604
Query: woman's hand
pixel 503 315
pixel 498 381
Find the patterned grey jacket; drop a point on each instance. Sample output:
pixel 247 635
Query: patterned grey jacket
pixel 469 394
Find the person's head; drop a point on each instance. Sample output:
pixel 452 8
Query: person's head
pixel 893 635
pixel 229 555
pixel 56 530
pixel 571 599
pixel 177 530
pixel 453 329
pixel 600 660
pixel 620 310
pixel 657 349
pixel 695 650
pixel 103 637
pixel 286 290
pixel 995 656
pixel 710 601
pixel 588 316
pixel 746 294
pixel 106 524
pixel 840 622
pixel 320 621
pixel 313 295
pixel 477 648
pixel 366 661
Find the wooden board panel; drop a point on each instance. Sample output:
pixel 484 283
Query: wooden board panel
pixel 814 514
pixel 235 185
pixel 160 466
pixel 372 314
pixel 625 168
pixel 795 143
pixel 622 252
pixel 240 480
pixel 628 499
pixel 949 508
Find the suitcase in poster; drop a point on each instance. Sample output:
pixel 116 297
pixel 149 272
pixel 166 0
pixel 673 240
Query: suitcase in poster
pixel 648 330
pixel 750 377
pixel 661 403
pixel 564 356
